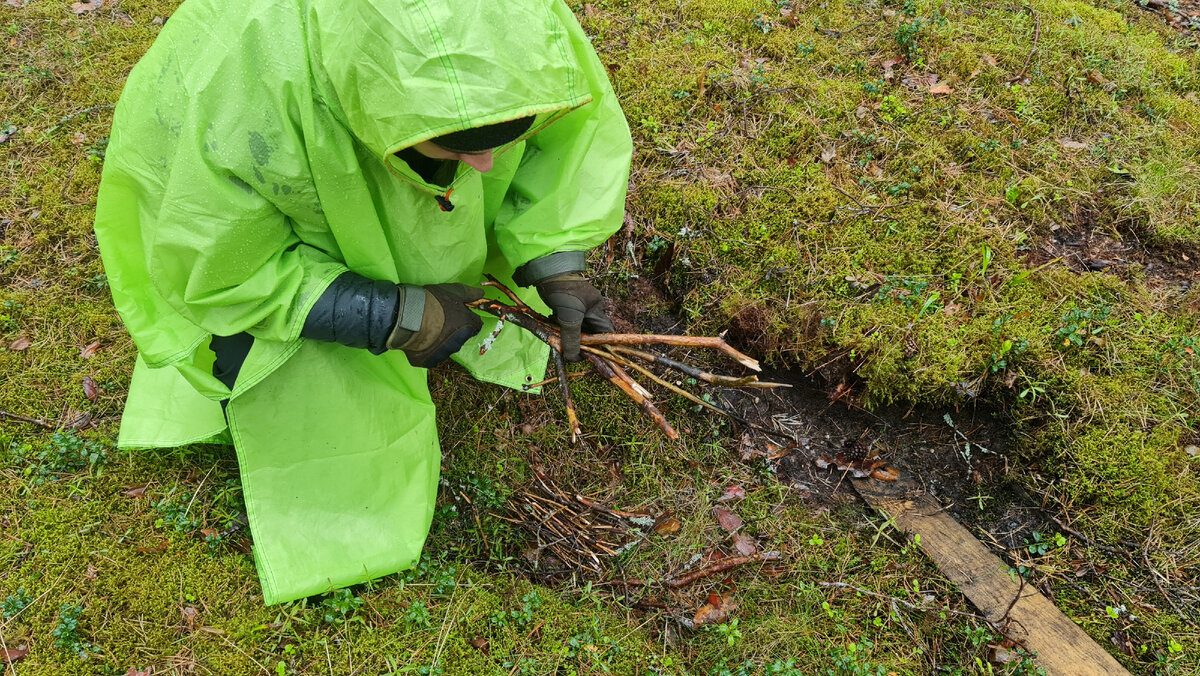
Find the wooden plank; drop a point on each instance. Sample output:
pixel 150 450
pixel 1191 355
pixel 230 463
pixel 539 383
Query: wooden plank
pixel 1015 609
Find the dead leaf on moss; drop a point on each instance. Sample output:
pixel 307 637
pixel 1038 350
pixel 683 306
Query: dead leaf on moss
pixel 941 88
pixel 745 544
pixel 20 344
pixel 92 572
pixel 17 654
pixel 887 68
pixel 481 644
pixel 734 492
pixel 828 154
pixel 728 520
pixel 90 349
pixel 989 60
pixel 136 492
pixel 87 6
pixel 1072 145
pixel 89 388
pixel 667 524
pixel 715 611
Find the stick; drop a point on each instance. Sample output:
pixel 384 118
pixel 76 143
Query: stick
pixel 572 419
pixel 33 421
pixel 698 374
pixel 608 370
pixel 680 341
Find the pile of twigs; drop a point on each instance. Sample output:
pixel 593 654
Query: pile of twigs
pixel 576 531
pixel 611 354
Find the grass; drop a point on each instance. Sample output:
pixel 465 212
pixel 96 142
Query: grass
pixel 803 182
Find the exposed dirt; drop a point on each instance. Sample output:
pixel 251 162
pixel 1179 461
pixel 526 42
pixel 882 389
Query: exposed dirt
pixel 1088 249
pixel 1181 14
pixel 957 455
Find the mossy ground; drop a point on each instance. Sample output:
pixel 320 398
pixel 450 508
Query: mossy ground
pixel 815 191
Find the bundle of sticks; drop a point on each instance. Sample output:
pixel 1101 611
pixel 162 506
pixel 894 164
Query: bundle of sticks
pixel 611 354
pixel 574 530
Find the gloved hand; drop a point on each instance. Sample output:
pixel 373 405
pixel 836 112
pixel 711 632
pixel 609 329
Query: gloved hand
pixel 446 322
pixel 577 305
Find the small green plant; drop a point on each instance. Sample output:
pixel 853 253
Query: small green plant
pixel 805 49
pixel 908 35
pixel 175 514
pixel 65 454
pixel 1040 544
pixel 852 660
pixel 1079 325
pixel 66 634
pixel 729 632
pixel 521 617
pixel 339 607
pixel 417 616
pixel 15 603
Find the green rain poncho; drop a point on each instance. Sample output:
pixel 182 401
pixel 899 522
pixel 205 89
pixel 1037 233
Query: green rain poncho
pixel 251 162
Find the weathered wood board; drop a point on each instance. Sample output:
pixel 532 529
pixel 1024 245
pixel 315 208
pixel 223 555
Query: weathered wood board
pixel 1019 611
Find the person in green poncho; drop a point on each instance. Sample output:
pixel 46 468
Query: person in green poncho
pixel 299 198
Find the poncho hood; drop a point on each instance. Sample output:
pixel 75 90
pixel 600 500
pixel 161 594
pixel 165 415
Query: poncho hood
pixel 398 73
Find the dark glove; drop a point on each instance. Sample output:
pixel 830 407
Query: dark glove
pixel 445 322
pixel 577 305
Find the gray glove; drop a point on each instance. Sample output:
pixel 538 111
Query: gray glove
pixel 577 305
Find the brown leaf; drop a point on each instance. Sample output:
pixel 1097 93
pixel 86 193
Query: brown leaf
pixel 728 520
pixel 15 654
pixel 136 492
pixel 89 388
pixel 667 524
pixel 1095 77
pixel 160 547
pixel 941 88
pixel 990 60
pixel 89 351
pixel 1072 145
pixel 92 572
pixel 715 611
pixel 887 68
pixel 744 544
pixel 148 671
pixel 21 344
pixel 87 6
pixel 734 492
pixel 191 618
pixel 828 153
pixel 481 644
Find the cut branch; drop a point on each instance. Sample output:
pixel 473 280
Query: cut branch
pixel 678 341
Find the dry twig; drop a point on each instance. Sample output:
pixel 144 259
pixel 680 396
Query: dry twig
pixel 604 351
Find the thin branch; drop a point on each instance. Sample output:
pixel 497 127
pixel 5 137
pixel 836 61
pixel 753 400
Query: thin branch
pixel 33 421
pixel 572 419
pixel 679 341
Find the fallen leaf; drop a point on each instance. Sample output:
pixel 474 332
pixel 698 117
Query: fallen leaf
pixel 1072 145
pixel 21 344
pixel 481 644
pixel 92 572
pixel 745 544
pixel 887 68
pixel 7 131
pixel 148 671
pixel 989 60
pixel 79 139
pixel 87 6
pixel 728 520
pixel 89 388
pixel 136 492
pixel 941 88
pixel 667 524
pixel 160 547
pixel 828 153
pixel 733 492
pixel 588 10
pixel 15 654
pixel 15 3
pixel 1095 77
pixel 715 611
pixel 90 350
pixel 191 618
pixel 1192 450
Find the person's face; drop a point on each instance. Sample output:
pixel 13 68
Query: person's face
pixel 480 161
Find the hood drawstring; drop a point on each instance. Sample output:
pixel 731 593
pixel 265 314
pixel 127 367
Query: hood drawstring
pixel 444 201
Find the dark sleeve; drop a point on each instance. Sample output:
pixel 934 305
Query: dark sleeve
pixel 354 311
